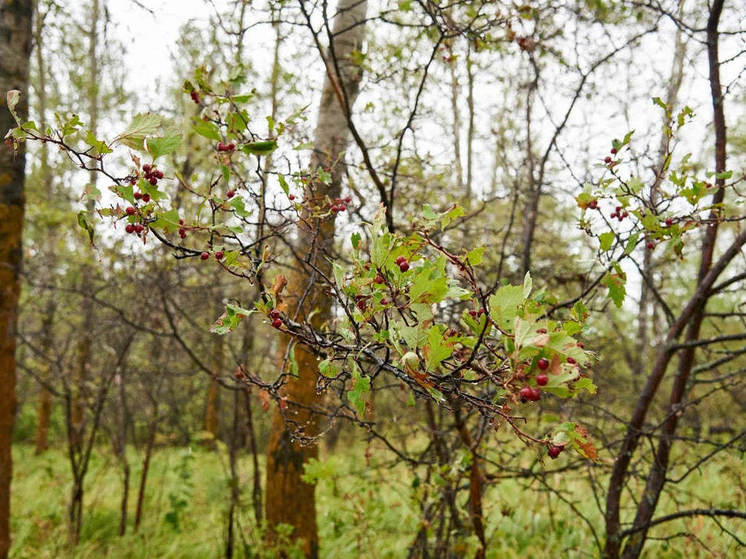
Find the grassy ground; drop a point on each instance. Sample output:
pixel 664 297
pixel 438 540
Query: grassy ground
pixel 363 512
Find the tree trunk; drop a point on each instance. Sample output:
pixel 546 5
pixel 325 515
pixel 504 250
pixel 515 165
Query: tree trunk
pixel 15 50
pixel 289 500
pixel 212 407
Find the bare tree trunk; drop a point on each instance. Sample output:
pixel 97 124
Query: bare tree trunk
pixel 152 430
pixel 15 51
pixel 212 408
pixel 289 500
pixel 659 467
pixel 44 408
pixel 235 492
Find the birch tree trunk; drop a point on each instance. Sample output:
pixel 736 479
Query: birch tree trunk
pixel 288 499
pixel 15 51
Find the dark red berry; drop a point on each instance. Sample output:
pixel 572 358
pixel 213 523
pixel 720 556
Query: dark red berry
pixel 404 266
pixel 580 345
pixel 650 245
pixel 274 313
pixel 277 323
pixel 137 195
pixel 472 312
pixel 342 207
pixel 291 197
pixel 195 96
pixel 361 304
pixel 182 233
pixel 613 215
pixel 378 279
pixel 554 451
pixel 146 198
pixel 219 255
pixel 334 209
pixel 133 181
pixel 130 228
pixel 542 379
pixel 230 147
pixel 400 259
pixel 541 331
pixel 526 394
pixel 158 174
pixel 130 210
pixel 348 200
pixel 593 204
pixel 669 221
pixel 607 160
pixel 571 361
pixel 543 364
pixel 204 255
pixel 181 222
pixel 624 214
pixel 230 193
pixel 153 181
pixel 613 151
pixel 146 168
pixel 535 394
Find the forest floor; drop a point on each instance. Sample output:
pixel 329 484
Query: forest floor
pixel 363 511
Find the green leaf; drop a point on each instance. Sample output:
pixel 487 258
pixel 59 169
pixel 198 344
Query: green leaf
pixel 527 285
pixel 142 126
pixel 85 224
pixel 159 147
pixel 168 221
pixel 327 369
pixel 207 129
pixel 230 319
pixel 238 206
pixel 616 285
pixel 260 148
pixel 475 256
pixel 12 98
pixel 98 146
pixel 435 350
pixel 360 388
pixel 607 240
pixel 631 243
pixel 504 305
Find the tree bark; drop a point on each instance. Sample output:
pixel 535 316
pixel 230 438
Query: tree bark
pixel 289 500
pixel 212 408
pixel 15 51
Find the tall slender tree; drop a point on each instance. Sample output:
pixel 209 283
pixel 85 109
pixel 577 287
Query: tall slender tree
pixel 289 500
pixel 15 52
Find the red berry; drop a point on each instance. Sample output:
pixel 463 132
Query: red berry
pixel 277 323
pixel 291 197
pixel 219 255
pixel 384 301
pixel 133 181
pixel 230 147
pixel 361 304
pixel 342 208
pixel 378 279
pixel 230 193
pixel 580 345
pixel 153 181
pixel 146 198
pixel 541 331
pixel 535 394
pixel 400 259
pixel 650 245
pixel 554 451
pixel 195 96
pixel 607 160
pixel 204 255
pixel 146 168
pixel 130 228
pixel 348 200
pixel 137 195
pixel 526 394
pixel 181 222
pixel 669 221
pixel 472 313
pixel 613 215
pixel 221 146
pixel 542 379
pixel 404 266
pixel 334 209
pixel 182 233
pixel 571 361
pixel 158 174
pixel 593 204
pixel 543 364
pixel 130 210
pixel 274 313
pixel 613 150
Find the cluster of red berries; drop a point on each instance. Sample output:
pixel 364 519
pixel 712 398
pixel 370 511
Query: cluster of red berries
pixel 401 261
pixel 182 231
pixel 134 228
pixel 152 174
pixel 360 302
pixel 529 394
pixel 205 255
pixel 473 313
pixel 274 314
pixel 608 160
pixel 195 97
pixel 619 214
pixel 339 205
pixel 226 147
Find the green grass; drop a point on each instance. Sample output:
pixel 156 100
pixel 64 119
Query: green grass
pixel 362 512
